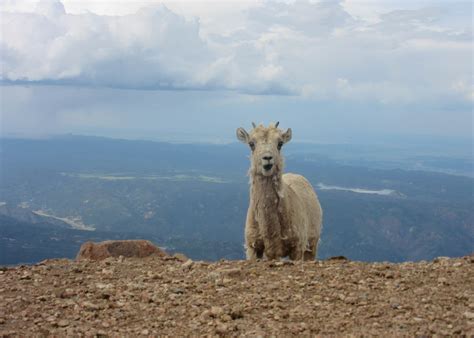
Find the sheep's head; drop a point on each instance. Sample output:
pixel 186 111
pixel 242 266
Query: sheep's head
pixel 265 144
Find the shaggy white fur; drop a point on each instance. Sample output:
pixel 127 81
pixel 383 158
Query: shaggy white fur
pixel 284 216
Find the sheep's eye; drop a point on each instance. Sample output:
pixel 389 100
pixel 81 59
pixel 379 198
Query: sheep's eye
pixel 252 145
pixel 280 144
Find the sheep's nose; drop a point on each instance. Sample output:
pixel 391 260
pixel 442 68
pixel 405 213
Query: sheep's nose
pixel 267 158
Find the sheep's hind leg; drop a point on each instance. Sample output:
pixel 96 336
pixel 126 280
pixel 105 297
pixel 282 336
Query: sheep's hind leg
pixel 310 254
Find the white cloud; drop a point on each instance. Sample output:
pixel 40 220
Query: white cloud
pixel 153 48
pixel 319 50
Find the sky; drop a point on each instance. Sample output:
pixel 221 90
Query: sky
pixel 333 71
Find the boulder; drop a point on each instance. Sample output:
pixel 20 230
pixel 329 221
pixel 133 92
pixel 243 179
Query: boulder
pixel 129 248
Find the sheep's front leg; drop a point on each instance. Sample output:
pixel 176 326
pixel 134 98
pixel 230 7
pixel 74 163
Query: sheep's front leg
pixel 296 254
pixel 250 253
pixel 273 248
pixel 253 243
pixel 254 249
pixel 253 254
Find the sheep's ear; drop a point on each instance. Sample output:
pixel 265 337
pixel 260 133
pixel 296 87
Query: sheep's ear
pixel 286 136
pixel 242 135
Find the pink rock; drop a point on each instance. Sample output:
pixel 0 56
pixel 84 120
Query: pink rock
pixel 129 248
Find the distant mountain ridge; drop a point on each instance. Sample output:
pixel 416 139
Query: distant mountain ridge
pixel 194 197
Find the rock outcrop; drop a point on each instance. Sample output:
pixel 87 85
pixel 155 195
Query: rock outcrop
pixel 128 248
pixel 165 296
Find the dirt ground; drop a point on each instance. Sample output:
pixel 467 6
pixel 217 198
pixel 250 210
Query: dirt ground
pixel 172 296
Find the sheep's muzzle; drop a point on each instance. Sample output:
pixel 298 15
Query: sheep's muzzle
pixel 268 166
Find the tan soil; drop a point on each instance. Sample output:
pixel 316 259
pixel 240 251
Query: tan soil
pixel 163 295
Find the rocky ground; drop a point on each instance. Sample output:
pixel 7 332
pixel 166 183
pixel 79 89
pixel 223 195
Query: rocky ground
pixel 170 296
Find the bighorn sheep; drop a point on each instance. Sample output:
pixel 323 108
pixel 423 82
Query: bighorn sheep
pixel 284 216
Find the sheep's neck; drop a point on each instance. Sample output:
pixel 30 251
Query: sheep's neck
pixel 266 200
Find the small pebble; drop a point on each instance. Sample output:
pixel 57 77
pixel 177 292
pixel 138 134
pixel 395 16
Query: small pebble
pixel 63 323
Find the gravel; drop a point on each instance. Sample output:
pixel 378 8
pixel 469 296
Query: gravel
pixel 176 296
